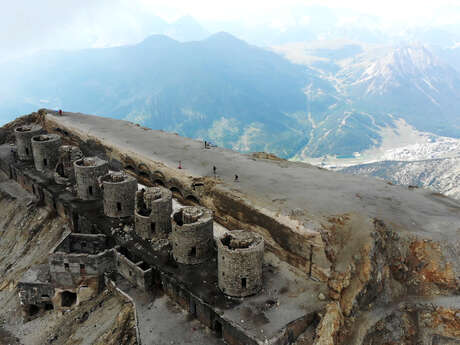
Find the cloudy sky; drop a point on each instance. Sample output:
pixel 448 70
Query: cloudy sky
pixel 30 25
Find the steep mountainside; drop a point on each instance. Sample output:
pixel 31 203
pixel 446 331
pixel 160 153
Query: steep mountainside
pixel 441 175
pixel 331 99
pixel 409 82
pixel 27 234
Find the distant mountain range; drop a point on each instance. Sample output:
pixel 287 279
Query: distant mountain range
pixel 297 101
pixel 441 175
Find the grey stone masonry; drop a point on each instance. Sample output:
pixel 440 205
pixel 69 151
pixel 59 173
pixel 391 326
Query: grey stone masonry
pixel 87 172
pixel 23 137
pixel 192 235
pixel 240 256
pixel 152 213
pixel 45 148
pixel 119 192
pixel 65 172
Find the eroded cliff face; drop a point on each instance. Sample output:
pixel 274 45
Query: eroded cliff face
pixel 395 288
pixel 27 234
pixel 386 284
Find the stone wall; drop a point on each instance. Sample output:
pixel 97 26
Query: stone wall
pixel 192 235
pixel 240 260
pixel 87 172
pixel 70 270
pixel 65 172
pixel 136 272
pixel 153 213
pixel 119 193
pixel 83 244
pixel 45 149
pixel 23 135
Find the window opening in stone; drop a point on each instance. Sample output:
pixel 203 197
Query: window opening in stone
pixel 193 252
pixel 68 298
pixel 152 227
pixel 82 267
pixel 90 190
pixel 49 306
pixel 218 329
pixel 66 266
pixel 45 162
pixel 83 244
pixel 243 283
pixel 45 296
pixel 27 151
pixel 33 310
pixel 193 308
pixel 119 206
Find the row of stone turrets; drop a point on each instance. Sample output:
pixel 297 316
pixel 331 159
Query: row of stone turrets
pixel 189 230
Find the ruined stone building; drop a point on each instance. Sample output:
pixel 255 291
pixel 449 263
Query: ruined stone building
pixel 253 269
pixel 80 264
pixel 192 235
pixel 240 260
pixel 45 149
pixel 153 213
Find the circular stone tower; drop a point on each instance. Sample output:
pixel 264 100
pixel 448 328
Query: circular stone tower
pixel 87 172
pixel 119 192
pixel 239 260
pixel 24 136
pixel 152 214
pixel 65 172
pixel 192 235
pixel 45 148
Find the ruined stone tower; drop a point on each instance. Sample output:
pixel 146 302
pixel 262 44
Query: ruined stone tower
pixel 87 172
pixel 45 148
pixel 23 137
pixel 192 235
pixel 65 172
pixel 152 213
pixel 240 259
pixel 119 192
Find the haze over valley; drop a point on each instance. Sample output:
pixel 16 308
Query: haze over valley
pixel 319 91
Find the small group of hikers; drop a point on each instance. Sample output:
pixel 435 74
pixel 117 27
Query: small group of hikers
pixel 214 170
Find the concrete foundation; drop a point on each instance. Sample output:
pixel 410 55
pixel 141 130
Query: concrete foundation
pixel 240 262
pixel 119 191
pixel 153 213
pixel 192 235
pixel 23 135
pixel 45 150
pixel 87 172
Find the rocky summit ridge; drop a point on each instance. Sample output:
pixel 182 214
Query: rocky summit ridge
pixel 382 259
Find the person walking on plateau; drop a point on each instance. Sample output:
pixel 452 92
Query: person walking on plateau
pixel 205 144
pixel 214 170
pixel 180 165
pixel 236 178
pixel 60 112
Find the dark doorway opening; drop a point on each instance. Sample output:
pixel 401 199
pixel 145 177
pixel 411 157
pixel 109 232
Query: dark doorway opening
pixel 193 252
pixel 68 298
pixel 159 183
pixel 118 206
pixel 33 310
pixel 243 283
pixel 45 162
pixel 153 227
pixel 193 309
pixel 90 190
pixel 218 329
pixel 27 151
pixel 49 306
